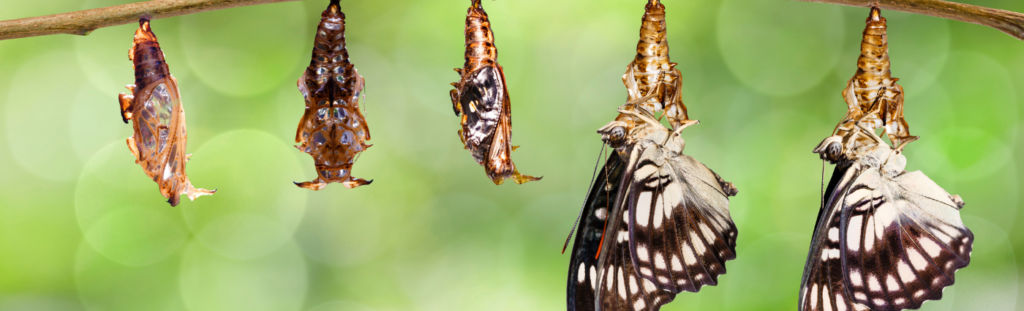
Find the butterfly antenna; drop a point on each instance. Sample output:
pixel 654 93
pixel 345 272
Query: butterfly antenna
pixel 600 155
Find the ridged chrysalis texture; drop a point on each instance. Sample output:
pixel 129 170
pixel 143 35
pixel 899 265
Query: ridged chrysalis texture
pixel 158 119
pixel 651 78
pixel 332 130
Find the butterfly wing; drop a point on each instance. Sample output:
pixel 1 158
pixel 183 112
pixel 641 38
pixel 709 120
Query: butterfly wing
pixel 902 240
pixel 609 282
pixel 682 233
pixel 822 286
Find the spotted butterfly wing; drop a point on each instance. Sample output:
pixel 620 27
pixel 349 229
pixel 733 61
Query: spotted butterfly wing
pixel 682 233
pixel 620 288
pixel 884 241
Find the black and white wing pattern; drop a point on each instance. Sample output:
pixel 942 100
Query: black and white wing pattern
pixel 682 233
pixel 883 242
pixel 612 282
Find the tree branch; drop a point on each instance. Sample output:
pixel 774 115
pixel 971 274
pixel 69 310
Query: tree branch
pixel 84 22
pixel 1009 22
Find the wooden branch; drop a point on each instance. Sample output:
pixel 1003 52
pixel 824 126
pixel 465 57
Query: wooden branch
pixel 83 22
pixel 1009 22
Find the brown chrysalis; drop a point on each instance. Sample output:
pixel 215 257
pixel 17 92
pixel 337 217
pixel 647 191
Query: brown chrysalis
pixel 481 97
pixel 158 119
pixel 652 80
pixel 332 130
pixel 874 99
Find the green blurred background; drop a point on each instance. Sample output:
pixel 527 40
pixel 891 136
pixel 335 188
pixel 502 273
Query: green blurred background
pixel 82 228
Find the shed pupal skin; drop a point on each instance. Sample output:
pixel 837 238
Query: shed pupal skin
pixel 158 118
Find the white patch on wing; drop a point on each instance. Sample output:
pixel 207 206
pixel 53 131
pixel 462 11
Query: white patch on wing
pixel 644 172
pixel 930 247
pixel 633 288
pixel 593 276
pixel 643 208
pixel 641 253
pixel 869 238
pixel 622 284
pixel 581 276
pixel 698 245
pixel 855 278
pixel 891 284
pixel 814 296
pixel 916 259
pixel 676 264
pixel 873 283
pixel 833 234
pixel 659 261
pixel 688 255
pixel 659 211
pixel 853 233
pixel 906 274
pixel 825 302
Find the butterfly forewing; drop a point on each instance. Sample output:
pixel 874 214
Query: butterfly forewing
pixel 682 232
pixel 595 284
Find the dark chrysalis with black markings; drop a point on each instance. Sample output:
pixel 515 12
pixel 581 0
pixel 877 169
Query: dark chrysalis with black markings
pixel 159 119
pixel 481 97
pixel 332 130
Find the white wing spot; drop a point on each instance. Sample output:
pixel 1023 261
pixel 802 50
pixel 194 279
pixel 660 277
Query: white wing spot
pixel 930 247
pixel 853 234
pixel 643 208
pixel 916 259
pixel 633 288
pixel 833 234
pixel 622 284
pixel 688 255
pixel 873 283
pixel 642 254
pixel 593 276
pixel 905 273
pixel 825 302
pixel 659 211
pixel 891 284
pixel 676 264
pixel 698 245
pixel 869 239
pixel 855 279
pixel 659 261
pixel 581 276
pixel 814 296
pixel 608 282
pixel 708 233
pixel 639 305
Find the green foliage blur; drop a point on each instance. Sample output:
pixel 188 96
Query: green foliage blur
pixel 82 228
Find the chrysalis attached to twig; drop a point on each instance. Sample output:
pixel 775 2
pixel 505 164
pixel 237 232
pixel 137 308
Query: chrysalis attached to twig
pixel 652 80
pixel 481 97
pixel 159 119
pixel 872 94
pixel 332 129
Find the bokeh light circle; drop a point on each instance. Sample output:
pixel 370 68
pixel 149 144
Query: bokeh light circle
pixel 990 282
pixel 37 116
pixel 239 52
pixel 744 284
pixel 94 124
pixel 919 47
pixel 104 284
pixel 256 208
pixel 274 282
pixel 341 231
pixel 749 33
pixel 122 213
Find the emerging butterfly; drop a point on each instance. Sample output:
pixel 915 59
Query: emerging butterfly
pixel 651 79
pixel 332 130
pixel 872 94
pixel 656 222
pixel 481 97
pixel 158 119
pixel 886 239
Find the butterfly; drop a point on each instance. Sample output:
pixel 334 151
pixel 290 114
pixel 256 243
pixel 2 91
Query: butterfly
pixel 885 238
pixel 656 222
pixel 481 98
pixel 158 118
pixel 651 74
pixel 332 129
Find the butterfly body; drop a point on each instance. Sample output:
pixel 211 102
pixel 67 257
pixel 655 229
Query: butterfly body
pixel 651 78
pixel 481 98
pixel 885 239
pixel 332 130
pixel 655 223
pixel 158 119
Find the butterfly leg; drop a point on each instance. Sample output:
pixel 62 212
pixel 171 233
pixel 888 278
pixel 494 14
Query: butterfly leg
pixel 356 182
pixel 133 148
pixel 314 185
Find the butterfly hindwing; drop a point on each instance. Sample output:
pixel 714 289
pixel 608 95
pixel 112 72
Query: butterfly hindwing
pixel 682 233
pixel 583 265
pixel 903 240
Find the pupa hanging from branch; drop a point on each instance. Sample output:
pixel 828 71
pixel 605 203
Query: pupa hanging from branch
pixel 158 119
pixel 651 79
pixel 332 130
pixel 481 97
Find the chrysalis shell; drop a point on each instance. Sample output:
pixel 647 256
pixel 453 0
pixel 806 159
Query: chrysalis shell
pixel 158 119
pixel 332 130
